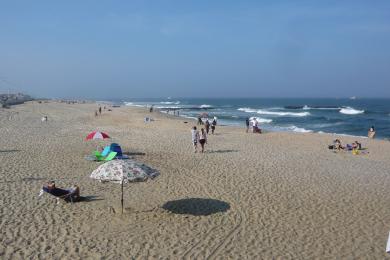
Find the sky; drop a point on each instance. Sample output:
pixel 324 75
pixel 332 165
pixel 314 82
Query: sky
pixel 128 49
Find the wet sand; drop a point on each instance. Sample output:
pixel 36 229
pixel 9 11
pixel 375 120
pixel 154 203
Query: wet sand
pixel 250 196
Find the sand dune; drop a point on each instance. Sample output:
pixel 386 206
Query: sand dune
pixel 249 196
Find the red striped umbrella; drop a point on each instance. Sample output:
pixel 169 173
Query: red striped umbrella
pixel 96 135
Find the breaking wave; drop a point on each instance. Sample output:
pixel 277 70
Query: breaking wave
pixel 260 120
pixel 350 111
pixel 274 113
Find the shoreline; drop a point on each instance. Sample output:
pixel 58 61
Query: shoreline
pixel 294 130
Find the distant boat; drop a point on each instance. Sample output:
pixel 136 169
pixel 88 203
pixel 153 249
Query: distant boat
pixel 353 98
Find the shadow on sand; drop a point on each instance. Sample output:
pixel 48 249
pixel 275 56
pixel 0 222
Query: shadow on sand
pixel 222 151
pixel 134 153
pixel 33 179
pixel 9 151
pixel 88 198
pixel 196 206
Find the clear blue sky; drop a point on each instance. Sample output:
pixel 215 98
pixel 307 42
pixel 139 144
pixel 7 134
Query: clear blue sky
pixel 98 49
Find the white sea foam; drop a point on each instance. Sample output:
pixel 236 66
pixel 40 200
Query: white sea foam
pixel 350 111
pixel 291 128
pixel 133 105
pixel 274 113
pixel 260 120
pixel 205 106
pixel 266 112
pixel 299 130
pixel 247 110
pixel 323 125
pixel 306 107
pixel 170 102
pixel 162 107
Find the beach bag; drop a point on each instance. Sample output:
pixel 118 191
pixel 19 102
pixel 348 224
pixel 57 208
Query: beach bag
pixel 331 147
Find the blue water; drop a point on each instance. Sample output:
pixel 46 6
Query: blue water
pixel 341 116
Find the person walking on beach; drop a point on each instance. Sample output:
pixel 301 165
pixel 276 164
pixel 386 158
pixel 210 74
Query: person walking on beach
pixel 213 124
pixel 202 138
pixel 247 124
pixel 371 132
pixel 195 138
pixel 200 122
pixel 207 126
pixel 100 110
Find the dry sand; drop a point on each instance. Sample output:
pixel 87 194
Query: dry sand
pixel 250 196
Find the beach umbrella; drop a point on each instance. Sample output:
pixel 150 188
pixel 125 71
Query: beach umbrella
pixel 96 135
pixel 123 171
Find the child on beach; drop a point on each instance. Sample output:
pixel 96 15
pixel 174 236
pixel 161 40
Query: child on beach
pixel 247 124
pixel 202 138
pixel 195 138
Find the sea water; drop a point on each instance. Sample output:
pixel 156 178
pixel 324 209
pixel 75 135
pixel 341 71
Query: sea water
pixel 340 116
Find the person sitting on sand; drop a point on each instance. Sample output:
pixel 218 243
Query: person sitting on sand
pixel 337 145
pixel 356 145
pixel 371 132
pixel 195 138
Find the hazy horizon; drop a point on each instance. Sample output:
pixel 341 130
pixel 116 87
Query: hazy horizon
pixel 139 49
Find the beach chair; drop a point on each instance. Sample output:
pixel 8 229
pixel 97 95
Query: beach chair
pixel 98 156
pixel 110 156
pixel 106 151
pixel 68 195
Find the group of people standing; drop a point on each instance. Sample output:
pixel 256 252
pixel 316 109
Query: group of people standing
pixel 201 137
pixel 255 125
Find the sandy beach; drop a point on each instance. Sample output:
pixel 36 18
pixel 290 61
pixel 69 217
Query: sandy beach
pixel 249 196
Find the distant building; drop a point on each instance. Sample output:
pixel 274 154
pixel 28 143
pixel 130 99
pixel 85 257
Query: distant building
pixel 13 99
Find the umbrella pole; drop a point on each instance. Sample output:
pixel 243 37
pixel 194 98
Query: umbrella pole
pixel 122 195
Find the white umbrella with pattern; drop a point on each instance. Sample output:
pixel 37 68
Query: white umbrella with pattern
pixel 123 171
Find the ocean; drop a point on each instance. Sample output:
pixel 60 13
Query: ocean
pixel 341 116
